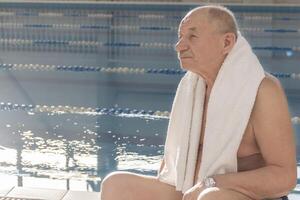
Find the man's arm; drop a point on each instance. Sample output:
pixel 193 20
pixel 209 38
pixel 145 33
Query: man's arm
pixel 273 131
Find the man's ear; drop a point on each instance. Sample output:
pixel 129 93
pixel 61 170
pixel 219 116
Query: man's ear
pixel 229 41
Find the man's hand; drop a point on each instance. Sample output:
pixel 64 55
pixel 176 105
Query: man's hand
pixel 194 192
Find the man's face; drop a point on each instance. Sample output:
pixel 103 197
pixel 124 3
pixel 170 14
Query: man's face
pixel 199 45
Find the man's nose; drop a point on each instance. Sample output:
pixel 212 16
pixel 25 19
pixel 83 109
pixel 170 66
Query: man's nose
pixel 181 45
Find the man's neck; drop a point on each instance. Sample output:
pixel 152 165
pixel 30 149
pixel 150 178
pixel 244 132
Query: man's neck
pixel 211 75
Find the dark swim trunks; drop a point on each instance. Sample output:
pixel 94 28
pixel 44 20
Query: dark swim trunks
pixel 281 198
pixel 284 198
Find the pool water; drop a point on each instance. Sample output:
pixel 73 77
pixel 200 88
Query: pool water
pixel 75 152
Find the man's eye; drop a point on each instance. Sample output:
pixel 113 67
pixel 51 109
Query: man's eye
pixel 193 36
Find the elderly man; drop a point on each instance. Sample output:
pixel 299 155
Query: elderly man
pixel 266 160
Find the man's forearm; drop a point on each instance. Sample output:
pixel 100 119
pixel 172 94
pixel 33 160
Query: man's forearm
pixel 266 182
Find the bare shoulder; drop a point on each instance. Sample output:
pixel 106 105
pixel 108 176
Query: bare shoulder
pixel 269 85
pixel 270 94
pixel 270 99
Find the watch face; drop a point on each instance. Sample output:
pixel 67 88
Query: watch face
pixel 209 182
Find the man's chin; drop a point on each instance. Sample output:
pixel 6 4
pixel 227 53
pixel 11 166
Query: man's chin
pixel 188 68
pixel 184 66
pixel 186 63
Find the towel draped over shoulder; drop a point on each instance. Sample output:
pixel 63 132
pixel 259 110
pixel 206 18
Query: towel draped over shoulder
pixel 229 107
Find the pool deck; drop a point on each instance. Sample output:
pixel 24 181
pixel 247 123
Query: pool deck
pixel 26 193
pixel 47 194
pixel 294 196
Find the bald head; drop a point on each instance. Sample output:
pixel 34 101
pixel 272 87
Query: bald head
pixel 220 17
pixel 206 35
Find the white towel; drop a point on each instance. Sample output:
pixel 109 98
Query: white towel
pixel 229 107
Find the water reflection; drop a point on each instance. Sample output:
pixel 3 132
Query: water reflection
pixel 72 148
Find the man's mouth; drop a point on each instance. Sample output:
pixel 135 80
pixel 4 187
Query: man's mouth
pixel 184 57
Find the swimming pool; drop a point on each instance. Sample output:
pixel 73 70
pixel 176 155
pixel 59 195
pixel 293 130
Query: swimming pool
pixel 87 88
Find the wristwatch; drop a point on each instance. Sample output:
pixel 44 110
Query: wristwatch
pixel 209 182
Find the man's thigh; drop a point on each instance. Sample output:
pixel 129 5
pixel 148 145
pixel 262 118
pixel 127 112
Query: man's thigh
pixel 143 187
pixel 221 194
